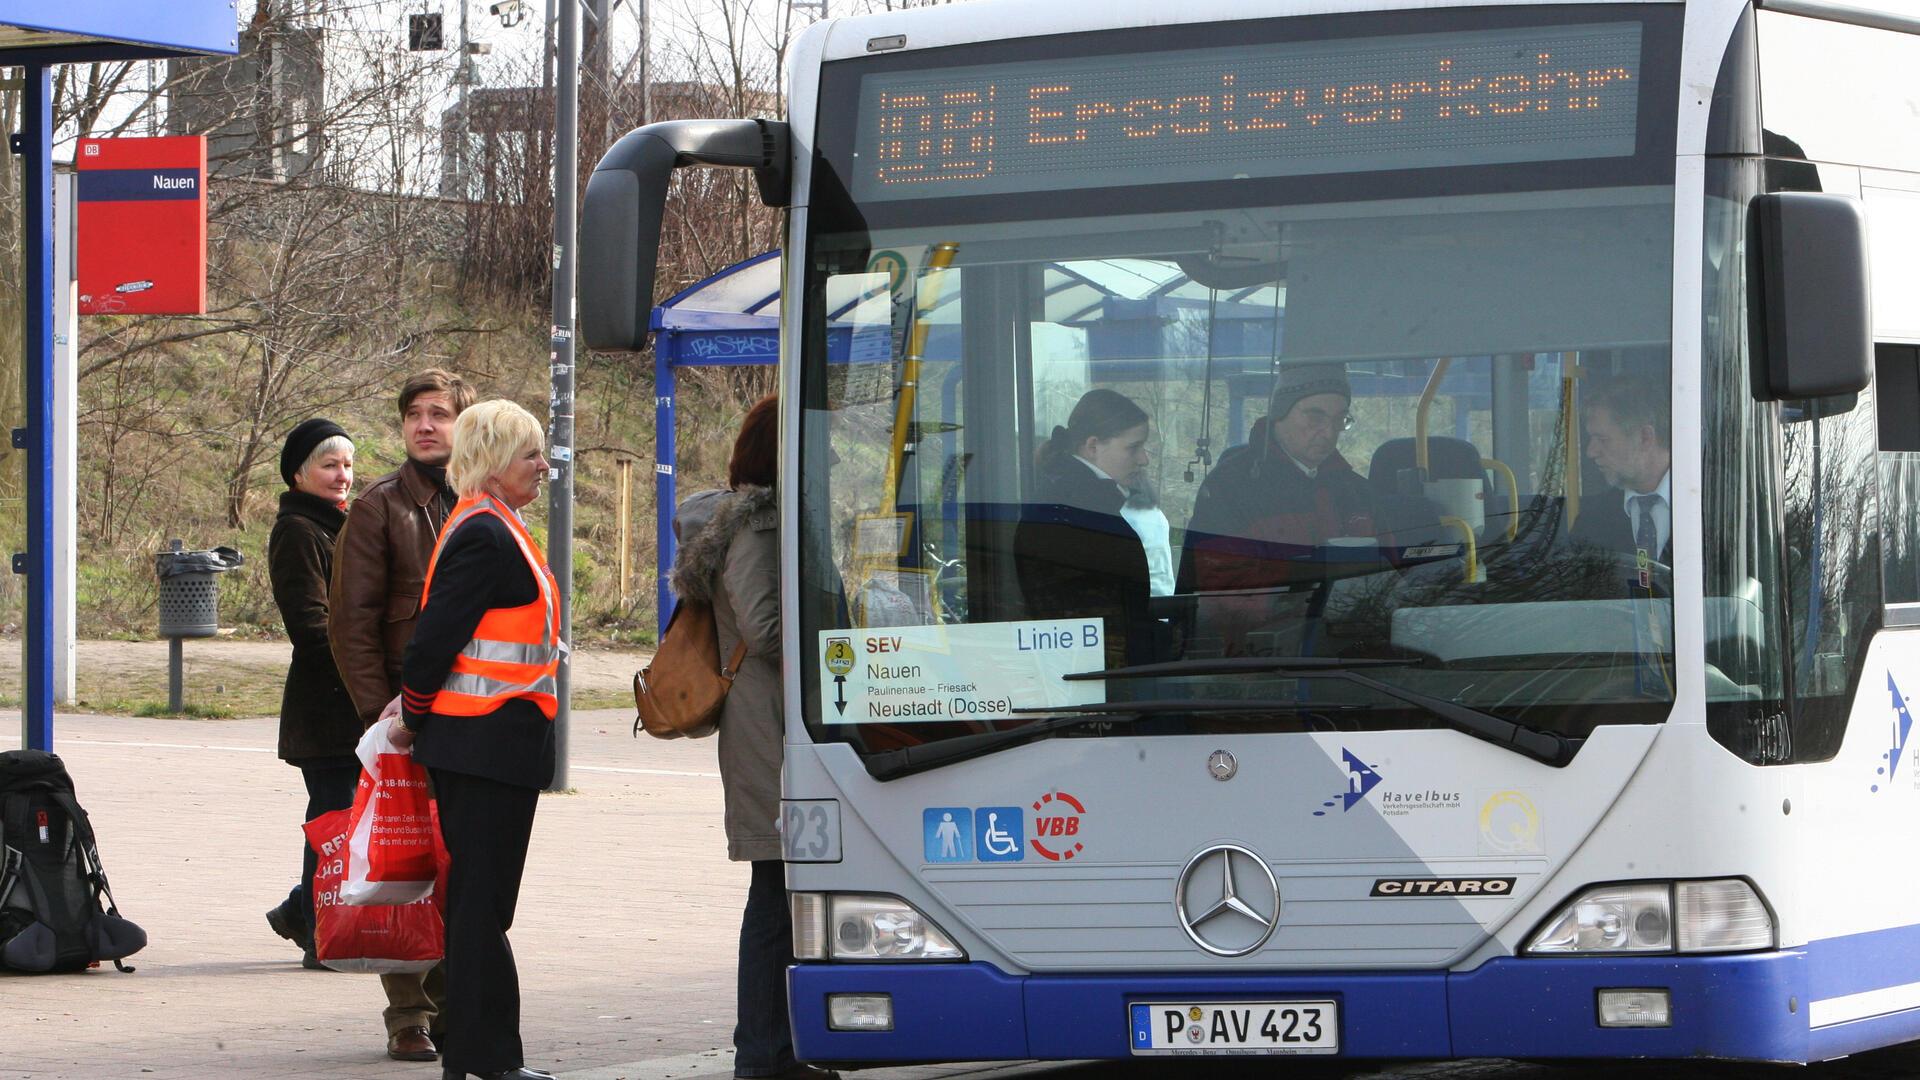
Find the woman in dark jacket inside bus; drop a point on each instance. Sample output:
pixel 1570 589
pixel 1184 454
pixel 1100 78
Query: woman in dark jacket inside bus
pixel 477 702
pixel 1078 554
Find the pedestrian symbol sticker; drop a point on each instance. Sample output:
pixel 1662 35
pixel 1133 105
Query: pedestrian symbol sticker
pixel 1000 832
pixel 949 833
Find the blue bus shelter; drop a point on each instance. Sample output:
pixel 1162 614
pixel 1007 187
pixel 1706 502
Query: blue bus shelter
pixel 37 35
pixel 729 319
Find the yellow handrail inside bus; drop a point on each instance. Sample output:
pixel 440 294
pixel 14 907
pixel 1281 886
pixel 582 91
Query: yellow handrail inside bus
pixel 1570 423
pixel 1513 494
pixel 1473 549
pixel 923 304
pixel 1420 417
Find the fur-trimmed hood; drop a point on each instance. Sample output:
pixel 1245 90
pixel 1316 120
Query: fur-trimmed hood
pixel 705 525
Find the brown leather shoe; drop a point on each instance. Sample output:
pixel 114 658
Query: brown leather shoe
pixel 411 1044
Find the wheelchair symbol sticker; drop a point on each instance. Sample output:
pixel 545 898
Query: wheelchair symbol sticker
pixel 999 832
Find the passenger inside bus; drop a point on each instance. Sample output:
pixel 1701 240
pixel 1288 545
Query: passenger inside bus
pixel 1080 551
pixel 1287 485
pixel 1285 490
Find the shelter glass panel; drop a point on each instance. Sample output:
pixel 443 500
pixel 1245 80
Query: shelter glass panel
pixel 13 300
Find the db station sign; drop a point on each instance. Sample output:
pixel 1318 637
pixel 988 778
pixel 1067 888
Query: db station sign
pixel 142 224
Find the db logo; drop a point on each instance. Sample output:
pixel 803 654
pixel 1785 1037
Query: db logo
pixel 1057 815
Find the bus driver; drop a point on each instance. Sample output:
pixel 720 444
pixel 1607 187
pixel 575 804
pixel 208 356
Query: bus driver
pixel 1627 437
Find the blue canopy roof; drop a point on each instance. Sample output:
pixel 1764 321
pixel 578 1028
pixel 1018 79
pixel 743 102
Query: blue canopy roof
pixel 45 32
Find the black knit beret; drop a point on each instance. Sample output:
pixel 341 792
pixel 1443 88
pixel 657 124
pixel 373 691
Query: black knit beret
pixel 300 443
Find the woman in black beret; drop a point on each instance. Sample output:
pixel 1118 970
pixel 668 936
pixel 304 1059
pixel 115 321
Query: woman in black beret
pixel 318 725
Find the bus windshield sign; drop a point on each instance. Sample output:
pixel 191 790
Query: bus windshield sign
pixel 1297 108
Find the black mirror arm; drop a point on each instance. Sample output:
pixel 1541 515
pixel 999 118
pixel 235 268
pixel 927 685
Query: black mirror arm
pixel 760 145
pixel 626 202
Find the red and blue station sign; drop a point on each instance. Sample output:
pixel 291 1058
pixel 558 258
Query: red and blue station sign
pixel 143 226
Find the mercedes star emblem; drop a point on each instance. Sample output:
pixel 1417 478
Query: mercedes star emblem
pixel 1221 766
pixel 1228 900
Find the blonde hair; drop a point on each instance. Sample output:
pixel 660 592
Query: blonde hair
pixel 486 439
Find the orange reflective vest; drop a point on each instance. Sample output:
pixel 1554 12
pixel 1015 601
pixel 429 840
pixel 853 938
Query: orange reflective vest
pixel 515 651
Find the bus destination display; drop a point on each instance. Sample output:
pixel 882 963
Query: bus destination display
pixel 1287 109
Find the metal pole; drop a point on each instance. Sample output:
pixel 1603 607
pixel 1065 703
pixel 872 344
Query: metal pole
pixel 626 530
pixel 597 60
pixel 464 74
pixel 176 699
pixel 664 451
pixel 36 438
pixel 645 17
pixel 566 190
pixel 66 342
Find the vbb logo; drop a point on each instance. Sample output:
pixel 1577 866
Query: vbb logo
pixel 1056 817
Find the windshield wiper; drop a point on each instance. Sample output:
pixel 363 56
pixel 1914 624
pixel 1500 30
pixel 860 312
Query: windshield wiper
pixel 1547 747
pixel 1238 665
pixel 912 759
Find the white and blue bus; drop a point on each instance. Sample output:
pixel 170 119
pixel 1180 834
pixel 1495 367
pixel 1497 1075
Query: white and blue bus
pixel 1578 727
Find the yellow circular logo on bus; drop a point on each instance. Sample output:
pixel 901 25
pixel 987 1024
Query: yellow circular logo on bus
pixel 1510 824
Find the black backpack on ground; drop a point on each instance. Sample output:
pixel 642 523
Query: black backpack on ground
pixel 51 882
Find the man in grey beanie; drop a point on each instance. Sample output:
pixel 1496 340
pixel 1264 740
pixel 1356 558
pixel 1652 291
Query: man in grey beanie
pixel 1287 488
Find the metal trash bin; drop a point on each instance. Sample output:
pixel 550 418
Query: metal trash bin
pixel 190 589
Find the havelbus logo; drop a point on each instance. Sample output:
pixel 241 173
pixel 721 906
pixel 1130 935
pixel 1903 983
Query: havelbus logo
pixel 1443 886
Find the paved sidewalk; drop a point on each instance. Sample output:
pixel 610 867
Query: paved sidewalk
pixel 625 933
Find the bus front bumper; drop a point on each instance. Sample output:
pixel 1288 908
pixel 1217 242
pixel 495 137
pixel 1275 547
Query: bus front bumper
pixel 1748 1007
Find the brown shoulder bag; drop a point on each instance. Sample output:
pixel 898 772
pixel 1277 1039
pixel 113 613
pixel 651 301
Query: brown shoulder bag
pixel 680 694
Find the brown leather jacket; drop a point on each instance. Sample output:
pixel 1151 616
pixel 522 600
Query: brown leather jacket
pixel 379 566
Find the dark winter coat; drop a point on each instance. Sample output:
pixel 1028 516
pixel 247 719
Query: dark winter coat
pixel 1256 516
pixel 317 718
pixel 729 557
pixel 1077 557
pixel 1257 508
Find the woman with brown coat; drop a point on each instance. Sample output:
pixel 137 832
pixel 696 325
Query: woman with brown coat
pixel 729 557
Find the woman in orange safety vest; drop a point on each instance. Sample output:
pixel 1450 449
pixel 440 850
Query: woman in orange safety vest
pixel 477 702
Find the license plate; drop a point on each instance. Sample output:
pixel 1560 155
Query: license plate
pixel 1236 1027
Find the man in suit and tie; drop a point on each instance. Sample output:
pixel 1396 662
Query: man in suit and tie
pixel 1629 438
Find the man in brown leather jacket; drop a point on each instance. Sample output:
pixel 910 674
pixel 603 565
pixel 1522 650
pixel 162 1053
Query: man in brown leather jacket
pixel 379 566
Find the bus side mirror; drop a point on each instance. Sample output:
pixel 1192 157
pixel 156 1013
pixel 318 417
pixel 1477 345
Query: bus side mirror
pixel 1810 302
pixel 627 199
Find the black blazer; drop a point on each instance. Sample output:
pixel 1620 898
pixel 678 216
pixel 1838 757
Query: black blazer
pixel 480 568
pixel 1078 557
pixel 1604 522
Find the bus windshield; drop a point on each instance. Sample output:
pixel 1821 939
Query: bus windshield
pixel 1331 434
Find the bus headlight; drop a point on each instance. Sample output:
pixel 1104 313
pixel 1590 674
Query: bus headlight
pixel 1610 919
pixel 1723 915
pixel 860 926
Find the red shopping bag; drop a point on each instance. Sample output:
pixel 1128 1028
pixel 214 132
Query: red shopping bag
pixel 391 835
pixel 384 939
